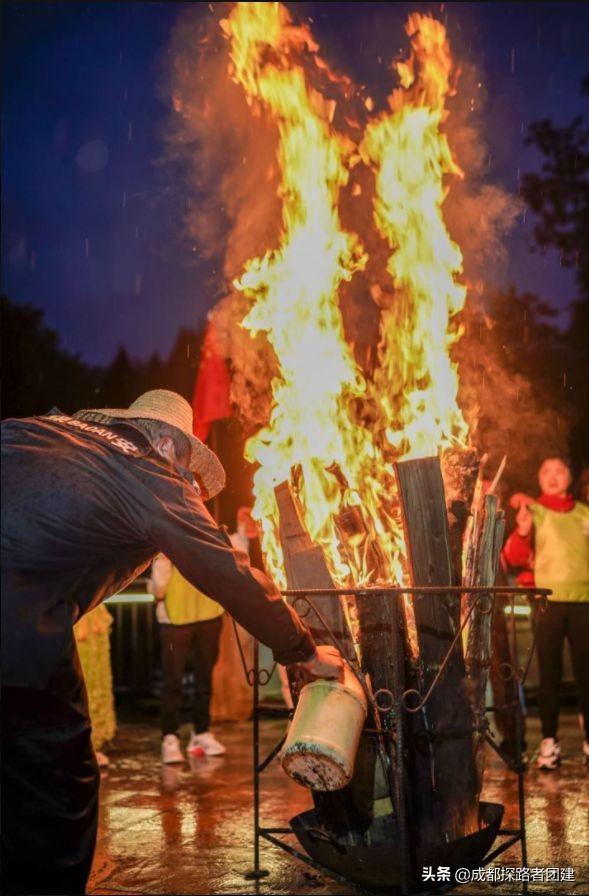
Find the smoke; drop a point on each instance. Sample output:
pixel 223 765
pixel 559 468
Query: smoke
pixel 478 214
pixel 225 151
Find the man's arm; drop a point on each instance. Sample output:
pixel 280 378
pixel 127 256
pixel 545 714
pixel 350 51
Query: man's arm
pixel 161 573
pixel 185 532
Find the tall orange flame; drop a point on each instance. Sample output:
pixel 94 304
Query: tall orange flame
pixel 319 394
pixel 416 383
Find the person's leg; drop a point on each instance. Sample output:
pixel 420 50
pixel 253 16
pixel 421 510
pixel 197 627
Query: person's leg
pixel 175 648
pixel 206 636
pixel 578 637
pixel 49 795
pixel 550 634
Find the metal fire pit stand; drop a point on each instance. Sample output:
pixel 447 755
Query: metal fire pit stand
pixel 256 678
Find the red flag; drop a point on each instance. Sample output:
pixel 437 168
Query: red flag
pixel 211 391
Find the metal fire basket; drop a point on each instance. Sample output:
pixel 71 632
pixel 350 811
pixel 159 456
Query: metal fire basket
pixel 396 868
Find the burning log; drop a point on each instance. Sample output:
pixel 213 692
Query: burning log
pixel 345 813
pixel 441 766
pixel 305 567
pixel 378 661
pixel 487 538
pixel 459 472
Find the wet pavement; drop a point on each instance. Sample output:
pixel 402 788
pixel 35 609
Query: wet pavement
pixel 187 829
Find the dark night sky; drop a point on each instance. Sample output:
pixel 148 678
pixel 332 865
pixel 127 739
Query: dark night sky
pixel 90 232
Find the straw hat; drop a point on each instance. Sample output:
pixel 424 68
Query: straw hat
pixel 170 408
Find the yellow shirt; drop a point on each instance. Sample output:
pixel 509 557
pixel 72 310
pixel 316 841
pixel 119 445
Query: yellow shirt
pixel 185 603
pixel 562 552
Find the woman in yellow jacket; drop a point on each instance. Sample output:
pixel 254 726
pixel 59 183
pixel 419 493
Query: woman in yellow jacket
pixel 552 538
pixel 190 625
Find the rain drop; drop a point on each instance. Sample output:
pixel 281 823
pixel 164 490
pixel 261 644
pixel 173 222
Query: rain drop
pixel 130 132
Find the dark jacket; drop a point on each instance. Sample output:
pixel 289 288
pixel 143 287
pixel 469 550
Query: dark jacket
pixel 85 508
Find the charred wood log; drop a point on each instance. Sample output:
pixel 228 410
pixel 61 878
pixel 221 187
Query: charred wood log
pixel 479 630
pixel 383 667
pixel 459 472
pixel 346 813
pixel 443 792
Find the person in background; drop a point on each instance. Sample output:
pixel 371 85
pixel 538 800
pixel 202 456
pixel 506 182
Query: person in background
pixel 246 537
pixel 190 625
pixel 92 635
pixel 552 538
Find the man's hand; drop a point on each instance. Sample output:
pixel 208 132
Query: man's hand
pixel 326 662
pixel 524 521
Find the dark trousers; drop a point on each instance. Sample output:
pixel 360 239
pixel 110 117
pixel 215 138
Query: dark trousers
pixel 200 640
pixel 50 784
pixel 562 620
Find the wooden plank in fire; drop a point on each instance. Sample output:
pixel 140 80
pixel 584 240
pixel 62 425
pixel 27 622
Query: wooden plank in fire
pixel 305 567
pixel 346 813
pixel 378 660
pixel 443 792
pixel 478 640
pixel 459 473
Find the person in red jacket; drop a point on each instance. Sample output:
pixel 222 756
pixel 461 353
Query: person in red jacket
pixel 550 545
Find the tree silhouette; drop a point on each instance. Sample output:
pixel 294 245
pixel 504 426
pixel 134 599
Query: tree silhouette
pixel 514 365
pixel 559 194
pixel 179 371
pixel 37 373
pixel 119 384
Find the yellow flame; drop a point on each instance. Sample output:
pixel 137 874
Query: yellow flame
pixel 294 288
pixel 416 383
pixel 319 395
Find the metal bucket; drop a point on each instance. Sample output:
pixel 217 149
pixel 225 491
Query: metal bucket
pixel 321 745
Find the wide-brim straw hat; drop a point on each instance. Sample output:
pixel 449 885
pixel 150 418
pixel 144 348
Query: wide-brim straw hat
pixel 170 408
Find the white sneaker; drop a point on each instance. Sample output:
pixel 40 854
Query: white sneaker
pixel 102 759
pixel 171 751
pixel 205 744
pixel 549 754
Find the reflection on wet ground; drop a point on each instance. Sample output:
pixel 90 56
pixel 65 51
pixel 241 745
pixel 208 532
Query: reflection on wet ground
pixel 187 829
